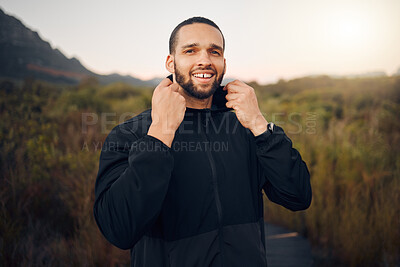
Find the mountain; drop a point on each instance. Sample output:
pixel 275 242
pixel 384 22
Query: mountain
pixel 23 53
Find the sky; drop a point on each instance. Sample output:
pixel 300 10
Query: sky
pixel 266 40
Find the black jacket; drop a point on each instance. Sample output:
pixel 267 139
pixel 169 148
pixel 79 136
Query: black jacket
pixel 198 203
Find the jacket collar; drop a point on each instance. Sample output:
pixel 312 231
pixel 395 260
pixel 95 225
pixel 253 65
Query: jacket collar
pixel 218 102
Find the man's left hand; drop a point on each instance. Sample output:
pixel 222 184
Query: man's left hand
pixel 243 100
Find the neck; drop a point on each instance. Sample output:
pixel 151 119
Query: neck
pixel 192 102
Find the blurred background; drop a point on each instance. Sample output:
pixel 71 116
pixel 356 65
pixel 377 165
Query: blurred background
pixel 328 72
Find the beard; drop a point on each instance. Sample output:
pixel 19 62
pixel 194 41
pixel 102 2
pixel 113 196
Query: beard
pixel 194 90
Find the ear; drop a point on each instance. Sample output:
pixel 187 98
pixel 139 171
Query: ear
pixel 169 63
pixel 224 66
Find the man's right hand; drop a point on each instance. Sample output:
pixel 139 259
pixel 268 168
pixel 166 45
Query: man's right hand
pixel 168 111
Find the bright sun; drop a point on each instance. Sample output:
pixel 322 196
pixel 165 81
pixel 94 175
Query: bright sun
pixel 348 30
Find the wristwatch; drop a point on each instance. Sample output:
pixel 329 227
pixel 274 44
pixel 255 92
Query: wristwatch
pixel 270 127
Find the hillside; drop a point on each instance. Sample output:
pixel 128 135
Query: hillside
pixel 23 53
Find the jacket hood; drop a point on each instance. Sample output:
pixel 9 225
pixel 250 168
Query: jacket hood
pixel 218 101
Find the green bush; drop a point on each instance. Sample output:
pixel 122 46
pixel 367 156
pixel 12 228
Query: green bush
pixel 49 163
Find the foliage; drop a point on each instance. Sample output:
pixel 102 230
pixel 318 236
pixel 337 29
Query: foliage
pixel 347 131
pixel 49 162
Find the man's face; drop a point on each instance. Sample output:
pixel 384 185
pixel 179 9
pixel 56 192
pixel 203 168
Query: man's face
pixel 199 63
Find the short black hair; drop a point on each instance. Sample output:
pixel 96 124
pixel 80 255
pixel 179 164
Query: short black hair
pixel 193 20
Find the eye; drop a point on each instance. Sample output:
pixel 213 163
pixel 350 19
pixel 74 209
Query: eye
pixel 189 51
pixel 215 52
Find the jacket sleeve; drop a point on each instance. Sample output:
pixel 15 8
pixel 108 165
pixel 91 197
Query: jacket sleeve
pixel 285 176
pixel 131 185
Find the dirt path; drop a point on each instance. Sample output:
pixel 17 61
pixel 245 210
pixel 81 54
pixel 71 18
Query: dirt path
pixel 286 248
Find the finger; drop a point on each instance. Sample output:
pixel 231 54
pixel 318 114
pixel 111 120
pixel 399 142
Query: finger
pixel 231 104
pixel 165 83
pixel 226 86
pixel 182 99
pixel 174 87
pixel 232 96
pixel 235 82
pixel 234 88
pixel 238 82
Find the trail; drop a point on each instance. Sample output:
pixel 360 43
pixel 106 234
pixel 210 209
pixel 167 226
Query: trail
pixel 286 248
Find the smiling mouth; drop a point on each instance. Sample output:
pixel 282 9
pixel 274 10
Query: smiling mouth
pixel 203 77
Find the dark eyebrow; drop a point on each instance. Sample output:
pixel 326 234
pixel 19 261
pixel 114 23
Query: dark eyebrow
pixel 190 45
pixel 216 47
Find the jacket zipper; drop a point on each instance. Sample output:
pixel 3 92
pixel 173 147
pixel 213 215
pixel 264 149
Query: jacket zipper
pixel 215 186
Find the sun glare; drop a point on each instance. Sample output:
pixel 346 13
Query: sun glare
pixel 348 30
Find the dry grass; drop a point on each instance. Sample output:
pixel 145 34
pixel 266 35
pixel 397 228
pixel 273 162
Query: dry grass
pixel 49 164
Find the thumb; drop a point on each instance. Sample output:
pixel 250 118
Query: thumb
pixel 174 87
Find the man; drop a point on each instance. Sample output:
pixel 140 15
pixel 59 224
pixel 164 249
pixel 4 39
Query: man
pixel 181 184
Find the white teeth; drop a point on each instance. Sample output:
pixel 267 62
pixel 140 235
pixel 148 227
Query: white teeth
pixel 202 75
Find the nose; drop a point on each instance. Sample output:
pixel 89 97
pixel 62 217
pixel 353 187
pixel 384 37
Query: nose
pixel 204 59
